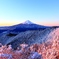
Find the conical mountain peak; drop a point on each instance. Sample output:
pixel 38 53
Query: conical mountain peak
pixel 27 22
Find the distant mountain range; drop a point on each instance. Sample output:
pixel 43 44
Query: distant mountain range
pixel 27 25
pixel 27 32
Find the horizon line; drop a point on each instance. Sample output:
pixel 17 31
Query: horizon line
pixel 11 24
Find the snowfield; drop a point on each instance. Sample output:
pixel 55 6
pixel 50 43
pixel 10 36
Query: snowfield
pixel 33 43
pixel 46 50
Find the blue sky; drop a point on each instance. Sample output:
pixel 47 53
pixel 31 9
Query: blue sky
pixel 45 12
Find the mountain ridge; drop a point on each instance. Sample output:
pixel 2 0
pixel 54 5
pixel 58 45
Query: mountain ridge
pixel 27 25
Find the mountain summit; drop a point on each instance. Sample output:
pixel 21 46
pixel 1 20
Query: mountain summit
pixel 27 22
pixel 25 26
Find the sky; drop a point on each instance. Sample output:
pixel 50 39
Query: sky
pixel 43 12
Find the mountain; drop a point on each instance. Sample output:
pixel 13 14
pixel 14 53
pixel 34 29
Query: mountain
pixel 25 26
pixel 29 37
pixel 27 22
pixel 26 32
pixel 32 37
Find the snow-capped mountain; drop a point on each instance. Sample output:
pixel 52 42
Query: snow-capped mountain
pixel 27 32
pixel 27 22
pixel 27 25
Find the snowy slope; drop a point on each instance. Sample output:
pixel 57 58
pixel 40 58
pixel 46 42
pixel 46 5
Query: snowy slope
pixel 27 22
pixel 32 37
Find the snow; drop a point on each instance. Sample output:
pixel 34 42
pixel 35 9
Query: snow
pixel 35 55
pixel 19 51
pixel 24 45
pixel 10 47
pixel 27 22
pixel 9 56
